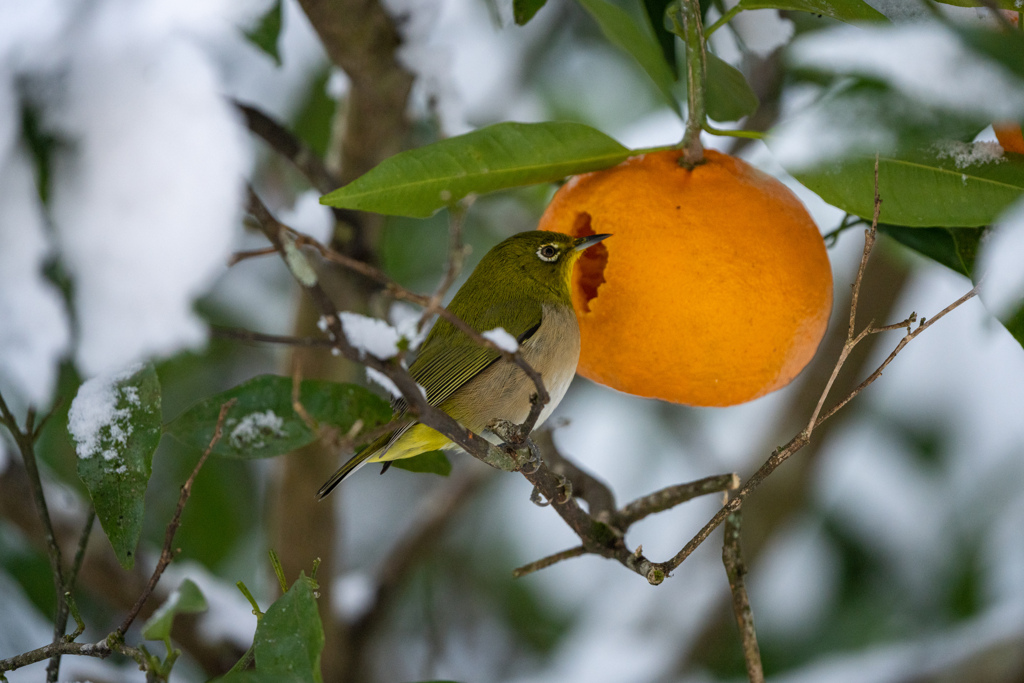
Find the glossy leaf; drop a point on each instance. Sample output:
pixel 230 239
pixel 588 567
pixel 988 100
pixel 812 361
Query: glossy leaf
pixel 842 10
pixel 1015 325
pixel 418 182
pixel 186 599
pixel 924 188
pixel 523 10
pixel 729 96
pixel 267 33
pixel 289 638
pixel 116 462
pixel 666 38
pixel 263 423
pixel 639 41
pixel 954 248
pixel 432 462
pixel 1004 4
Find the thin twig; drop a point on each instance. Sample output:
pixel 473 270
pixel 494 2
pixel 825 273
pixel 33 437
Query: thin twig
pixel 167 554
pixel 282 141
pixel 545 562
pixel 281 237
pixel 736 570
pixel 799 441
pixel 852 339
pixel 248 335
pixel 240 256
pixel 671 496
pixel 25 439
pixel 456 255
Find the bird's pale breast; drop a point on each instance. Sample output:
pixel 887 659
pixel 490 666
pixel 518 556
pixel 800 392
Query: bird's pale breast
pixel 503 390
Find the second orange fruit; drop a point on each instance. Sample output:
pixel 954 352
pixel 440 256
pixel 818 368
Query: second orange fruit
pixel 714 289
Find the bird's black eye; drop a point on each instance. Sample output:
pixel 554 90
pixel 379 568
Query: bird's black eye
pixel 548 252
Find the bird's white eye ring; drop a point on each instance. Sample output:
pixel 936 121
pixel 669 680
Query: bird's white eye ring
pixel 548 252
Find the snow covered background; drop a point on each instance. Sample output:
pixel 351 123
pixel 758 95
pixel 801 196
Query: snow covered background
pixel 143 209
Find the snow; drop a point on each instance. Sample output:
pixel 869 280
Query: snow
pixel 925 61
pixel 95 417
pixel 34 333
pixel 146 185
pixel 149 121
pixel 406 319
pixel 502 339
pixel 383 380
pixel 253 430
pixel 370 335
pixel 308 216
pixel 998 264
pixel 966 154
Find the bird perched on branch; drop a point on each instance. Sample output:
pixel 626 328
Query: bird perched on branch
pixel 522 286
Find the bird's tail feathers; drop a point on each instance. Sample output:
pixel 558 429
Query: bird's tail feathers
pixel 375 449
pixel 350 466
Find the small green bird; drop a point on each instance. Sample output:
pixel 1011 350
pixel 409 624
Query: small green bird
pixel 523 286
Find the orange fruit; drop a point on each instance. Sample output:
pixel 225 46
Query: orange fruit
pixel 714 289
pixel 1009 136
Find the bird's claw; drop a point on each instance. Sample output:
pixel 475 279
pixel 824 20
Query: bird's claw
pixel 564 490
pixel 527 459
pixel 563 497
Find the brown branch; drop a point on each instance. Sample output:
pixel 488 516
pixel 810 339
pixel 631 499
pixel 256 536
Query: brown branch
pixel 249 335
pixel 736 570
pixel 456 255
pixel 600 499
pixel 284 239
pixel 25 440
pixel 167 554
pixel 102 650
pixel 545 562
pixel 800 440
pixel 289 146
pixel 240 256
pixel 670 496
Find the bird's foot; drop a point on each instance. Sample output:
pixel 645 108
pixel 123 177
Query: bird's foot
pixel 564 493
pixel 522 450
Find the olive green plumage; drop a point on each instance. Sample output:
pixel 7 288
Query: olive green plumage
pixel 522 286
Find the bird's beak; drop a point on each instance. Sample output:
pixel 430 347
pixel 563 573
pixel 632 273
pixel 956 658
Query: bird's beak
pixel 582 243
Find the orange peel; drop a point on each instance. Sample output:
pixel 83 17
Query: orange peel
pixel 714 289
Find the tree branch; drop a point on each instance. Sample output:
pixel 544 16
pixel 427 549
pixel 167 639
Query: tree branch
pixel 736 570
pixel 167 554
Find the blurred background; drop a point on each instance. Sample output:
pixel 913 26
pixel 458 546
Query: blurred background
pixel 889 549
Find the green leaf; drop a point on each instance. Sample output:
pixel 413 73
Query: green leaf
pixel 921 188
pixel 954 248
pixel 842 10
pixel 115 423
pixel 639 41
pixel 523 10
pixel 729 96
pixel 1004 4
pixel 1015 325
pixel 263 423
pixel 418 182
pixel 266 34
pixel 656 10
pixel 433 462
pixel 289 637
pixel 187 599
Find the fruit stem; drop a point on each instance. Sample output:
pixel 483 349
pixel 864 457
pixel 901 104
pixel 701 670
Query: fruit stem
pixel 692 33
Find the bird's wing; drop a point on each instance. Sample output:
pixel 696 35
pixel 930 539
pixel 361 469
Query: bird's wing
pixel 449 359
